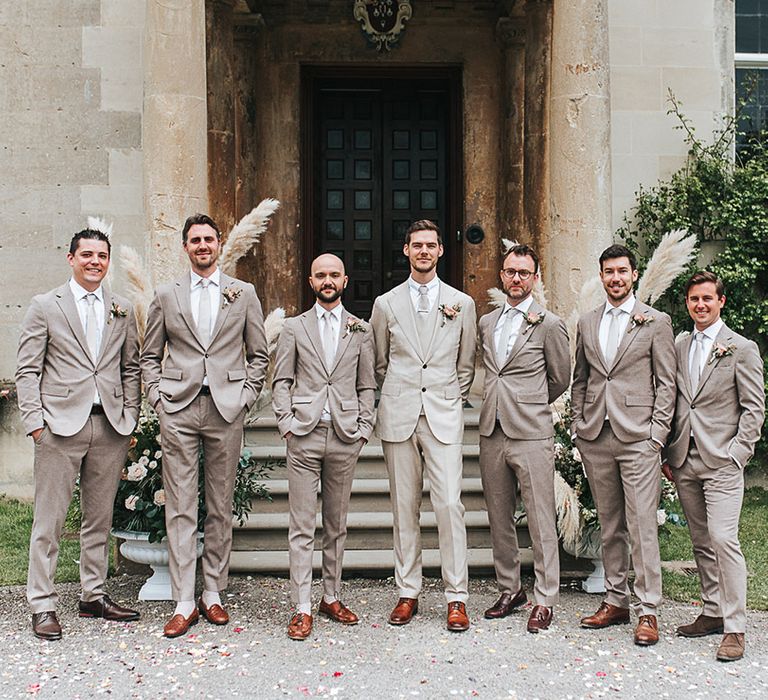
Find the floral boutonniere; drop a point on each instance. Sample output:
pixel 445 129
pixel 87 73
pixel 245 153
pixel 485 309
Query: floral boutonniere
pixel 449 312
pixel 116 311
pixel 532 319
pixel 639 320
pixel 230 295
pixel 719 351
pixel 353 325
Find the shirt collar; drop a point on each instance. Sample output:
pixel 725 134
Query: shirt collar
pixel 522 307
pixel 78 292
pixel 711 331
pixel 626 306
pixel 336 311
pixel 430 285
pixel 214 279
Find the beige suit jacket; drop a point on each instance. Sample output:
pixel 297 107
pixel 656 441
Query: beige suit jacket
pixel 726 411
pixel 302 383
pixel 536 372
pixel 437 377
pixel 56 379
pixel 174 360
pixel 637 392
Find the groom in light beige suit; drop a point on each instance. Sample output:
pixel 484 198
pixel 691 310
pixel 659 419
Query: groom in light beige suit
pixel 425 336
pixel 623 397
pixel 719 415
pixel 322 393
pixel 78 382
pixel 204 361
pixel 527 366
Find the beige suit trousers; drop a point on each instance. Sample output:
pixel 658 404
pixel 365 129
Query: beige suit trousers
pixel 97 454
pixel 505 463
pixel 442 465
pixel 318 458
pixel 711 499
pixel 183 433
pixel 625 479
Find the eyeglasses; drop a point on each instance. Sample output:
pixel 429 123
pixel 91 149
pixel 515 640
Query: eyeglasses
pixel 510 272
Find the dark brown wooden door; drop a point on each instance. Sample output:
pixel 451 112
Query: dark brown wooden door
pixel 381 160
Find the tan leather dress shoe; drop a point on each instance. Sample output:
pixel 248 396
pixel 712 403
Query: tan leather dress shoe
pixel 701 627
pixel 458 621
pixel 731 647
pixel 506 604
pixel 179 624
pixel 45 625
pixel 606 616
pixel 300 626
pixel 541 616
pixel 106 609
pixel 647 631
pixel 405 609
pixel 338 612
pixel 216 615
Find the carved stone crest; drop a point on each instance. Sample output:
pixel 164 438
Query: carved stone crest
pixel 382 21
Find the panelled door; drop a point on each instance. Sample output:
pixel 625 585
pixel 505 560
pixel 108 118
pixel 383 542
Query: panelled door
pixel 381 160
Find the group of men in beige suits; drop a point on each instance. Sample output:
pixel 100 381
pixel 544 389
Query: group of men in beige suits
pixel 635 396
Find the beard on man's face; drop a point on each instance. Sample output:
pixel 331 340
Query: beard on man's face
pixel 328 294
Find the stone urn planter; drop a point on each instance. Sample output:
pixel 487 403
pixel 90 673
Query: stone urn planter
pixel 589 547
pixel 137 548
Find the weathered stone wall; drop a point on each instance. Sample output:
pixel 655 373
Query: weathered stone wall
pixel 71 88
pixel 686 46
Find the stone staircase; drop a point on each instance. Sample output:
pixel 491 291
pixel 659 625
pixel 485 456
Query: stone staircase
pixel 261 544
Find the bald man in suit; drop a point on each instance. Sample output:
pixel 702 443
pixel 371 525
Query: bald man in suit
pixel 623 398
pixel 718 418
pixel 78 383
pixel 322 393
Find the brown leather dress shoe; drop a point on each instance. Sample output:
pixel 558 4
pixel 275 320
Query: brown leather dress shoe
pixel 338 612
pixel 107 609
pixel 45 625
pixel 606 616
pixel 541 616
pixel 216 615
pixel 731 647
pixel 647 631
pixel 506 604
pixel 458 621
pixel 300 626
pixel 701 627
pixel 405 609
pixel 179 624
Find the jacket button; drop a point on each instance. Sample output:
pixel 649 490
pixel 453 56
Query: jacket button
pixel 693 405
pixel 609 379
pixel 329 383
pixel 206 354
pixel 423 388
pixel 501 374
pixel 95 372
pixel 423 366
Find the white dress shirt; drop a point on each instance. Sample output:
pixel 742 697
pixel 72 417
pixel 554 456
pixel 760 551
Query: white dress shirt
pixel 336 328
pixel 82 311
pixel 432 288
pixel 517 323
pixel 623 320
pixel 214 294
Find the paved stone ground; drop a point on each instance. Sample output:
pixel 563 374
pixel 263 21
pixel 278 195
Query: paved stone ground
pixel 253 658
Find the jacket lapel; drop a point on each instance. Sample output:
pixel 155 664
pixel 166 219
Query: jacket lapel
pixel 490 343
pixel 439 321
pixel 109 322
pixel 225 281
pixel 629 334
pixel 344 339
pixel 723 336
pixel 525 332
pixel 309 321
pixel 685 351
pixel 182 292
pixel 592 328
pixel 404 315
pixel 66 302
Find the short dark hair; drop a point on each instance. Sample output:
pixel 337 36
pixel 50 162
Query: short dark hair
pixel 618 251
pixel 521 251
pixel 703 276
pixel 196 219
pixel 423 225
pixel 90 234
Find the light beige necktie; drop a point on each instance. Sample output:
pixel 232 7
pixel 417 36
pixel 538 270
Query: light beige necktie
pixel 502 349
pixel 92 327
pixel 204 312
pixel 423 306
pixel 698 341
pixel 612 346
pixel 329 340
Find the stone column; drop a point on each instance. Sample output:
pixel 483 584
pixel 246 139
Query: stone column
pixel 175 128
pixel 580 156
pixel 510 33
